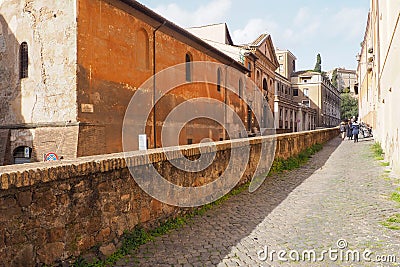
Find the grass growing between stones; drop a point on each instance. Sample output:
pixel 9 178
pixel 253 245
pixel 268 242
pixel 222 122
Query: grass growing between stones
pixel 280 165
pixel 395 196
pixel 131 240
pixel 377 151
pixel 393 222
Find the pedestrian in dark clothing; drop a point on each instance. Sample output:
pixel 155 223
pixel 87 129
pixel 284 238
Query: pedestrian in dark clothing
pixel 349 129
pixel 356 131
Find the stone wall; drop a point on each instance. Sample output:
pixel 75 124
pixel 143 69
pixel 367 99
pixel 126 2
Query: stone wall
pixel 51 211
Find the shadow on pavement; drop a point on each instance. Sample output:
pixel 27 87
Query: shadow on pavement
pixel 209 238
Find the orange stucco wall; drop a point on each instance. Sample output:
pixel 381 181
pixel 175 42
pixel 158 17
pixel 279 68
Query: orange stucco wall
pixel 115 56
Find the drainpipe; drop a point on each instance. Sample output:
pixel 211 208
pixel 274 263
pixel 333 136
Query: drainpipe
pixel 154 85
pixel 254 94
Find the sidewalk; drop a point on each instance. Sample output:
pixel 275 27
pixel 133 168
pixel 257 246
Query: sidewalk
pixel 342 194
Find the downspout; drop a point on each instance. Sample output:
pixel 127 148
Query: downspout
pixel 254 98
pixel 154 85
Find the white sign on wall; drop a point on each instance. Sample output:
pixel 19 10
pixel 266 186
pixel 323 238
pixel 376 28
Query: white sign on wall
pixel 27 152
pixel 142 142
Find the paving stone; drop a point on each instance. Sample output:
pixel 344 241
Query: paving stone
pixel 340 194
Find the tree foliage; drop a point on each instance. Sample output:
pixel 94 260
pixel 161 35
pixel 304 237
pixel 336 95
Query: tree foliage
pixel 348 106
pixel 334 78
pixel 318 67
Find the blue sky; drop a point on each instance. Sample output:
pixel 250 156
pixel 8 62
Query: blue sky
pixel 332 28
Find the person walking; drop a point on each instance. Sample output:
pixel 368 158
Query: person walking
pixel 343 130
pixel 356 131
pixel 349 130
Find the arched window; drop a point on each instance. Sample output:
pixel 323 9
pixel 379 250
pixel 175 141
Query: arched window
pixel 188 62
pixel 265 84
pixel 142 50
pixel 240 88
pixel 219 80
pixel 23 54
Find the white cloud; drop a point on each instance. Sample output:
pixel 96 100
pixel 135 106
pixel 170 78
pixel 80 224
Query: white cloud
pixel 213 12
pixel 302 15
pixel 253 29
pixel 301 29
pixel 306 31
pixel 348 23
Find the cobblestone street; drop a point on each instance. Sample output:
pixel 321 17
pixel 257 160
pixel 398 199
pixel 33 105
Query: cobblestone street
pixel 342 193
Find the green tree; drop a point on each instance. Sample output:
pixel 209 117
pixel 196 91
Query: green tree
pixel 334 78
pixel 318 67
pixel 348 106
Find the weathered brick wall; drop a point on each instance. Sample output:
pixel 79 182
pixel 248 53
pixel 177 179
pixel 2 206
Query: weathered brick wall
pixel 92 140
pixel 52 211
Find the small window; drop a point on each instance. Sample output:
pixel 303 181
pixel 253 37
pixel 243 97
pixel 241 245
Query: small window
pixel 219 80
pixel 295 92
pixel 188 62
pixel 249 68
pixel 190 141
pixel 305 91
pixel 23 53
pixel 265 85
pixel 306 103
